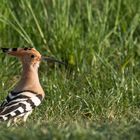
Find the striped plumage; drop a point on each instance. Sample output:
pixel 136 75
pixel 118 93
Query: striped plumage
pixel 28 92
pixel 18 104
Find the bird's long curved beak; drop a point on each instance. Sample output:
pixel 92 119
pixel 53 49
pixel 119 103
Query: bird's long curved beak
pixel 20 51
pixel 51 59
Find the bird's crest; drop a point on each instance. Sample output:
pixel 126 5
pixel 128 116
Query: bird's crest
pixel 21 52
pixel 28 93
pixel 30 53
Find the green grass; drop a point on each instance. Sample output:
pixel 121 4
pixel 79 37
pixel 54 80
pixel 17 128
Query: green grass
pixel 97 96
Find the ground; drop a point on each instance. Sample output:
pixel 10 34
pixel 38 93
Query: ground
pixel 97 94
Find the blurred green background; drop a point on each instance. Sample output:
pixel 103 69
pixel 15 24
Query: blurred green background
pixel 97 96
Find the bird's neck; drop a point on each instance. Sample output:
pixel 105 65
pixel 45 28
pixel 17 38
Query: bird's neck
pixel 29 79
pixel 30 74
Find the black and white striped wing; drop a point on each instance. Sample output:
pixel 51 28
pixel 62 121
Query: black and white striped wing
pixel 19 104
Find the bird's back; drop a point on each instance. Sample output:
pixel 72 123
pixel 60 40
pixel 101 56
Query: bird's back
pixel 17 104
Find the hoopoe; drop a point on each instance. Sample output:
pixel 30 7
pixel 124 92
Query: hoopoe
pixel 28 92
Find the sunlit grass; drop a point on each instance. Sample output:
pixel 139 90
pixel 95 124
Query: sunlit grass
pixel 98 94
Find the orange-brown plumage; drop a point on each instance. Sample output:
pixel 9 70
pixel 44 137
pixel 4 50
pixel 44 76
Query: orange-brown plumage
pixel 28 93
pixel 30 59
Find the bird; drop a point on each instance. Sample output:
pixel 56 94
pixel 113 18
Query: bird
pixel 28 92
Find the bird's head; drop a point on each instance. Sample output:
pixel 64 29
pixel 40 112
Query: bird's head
pixel 28 56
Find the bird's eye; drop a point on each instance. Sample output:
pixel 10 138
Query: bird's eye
pixel 32 56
